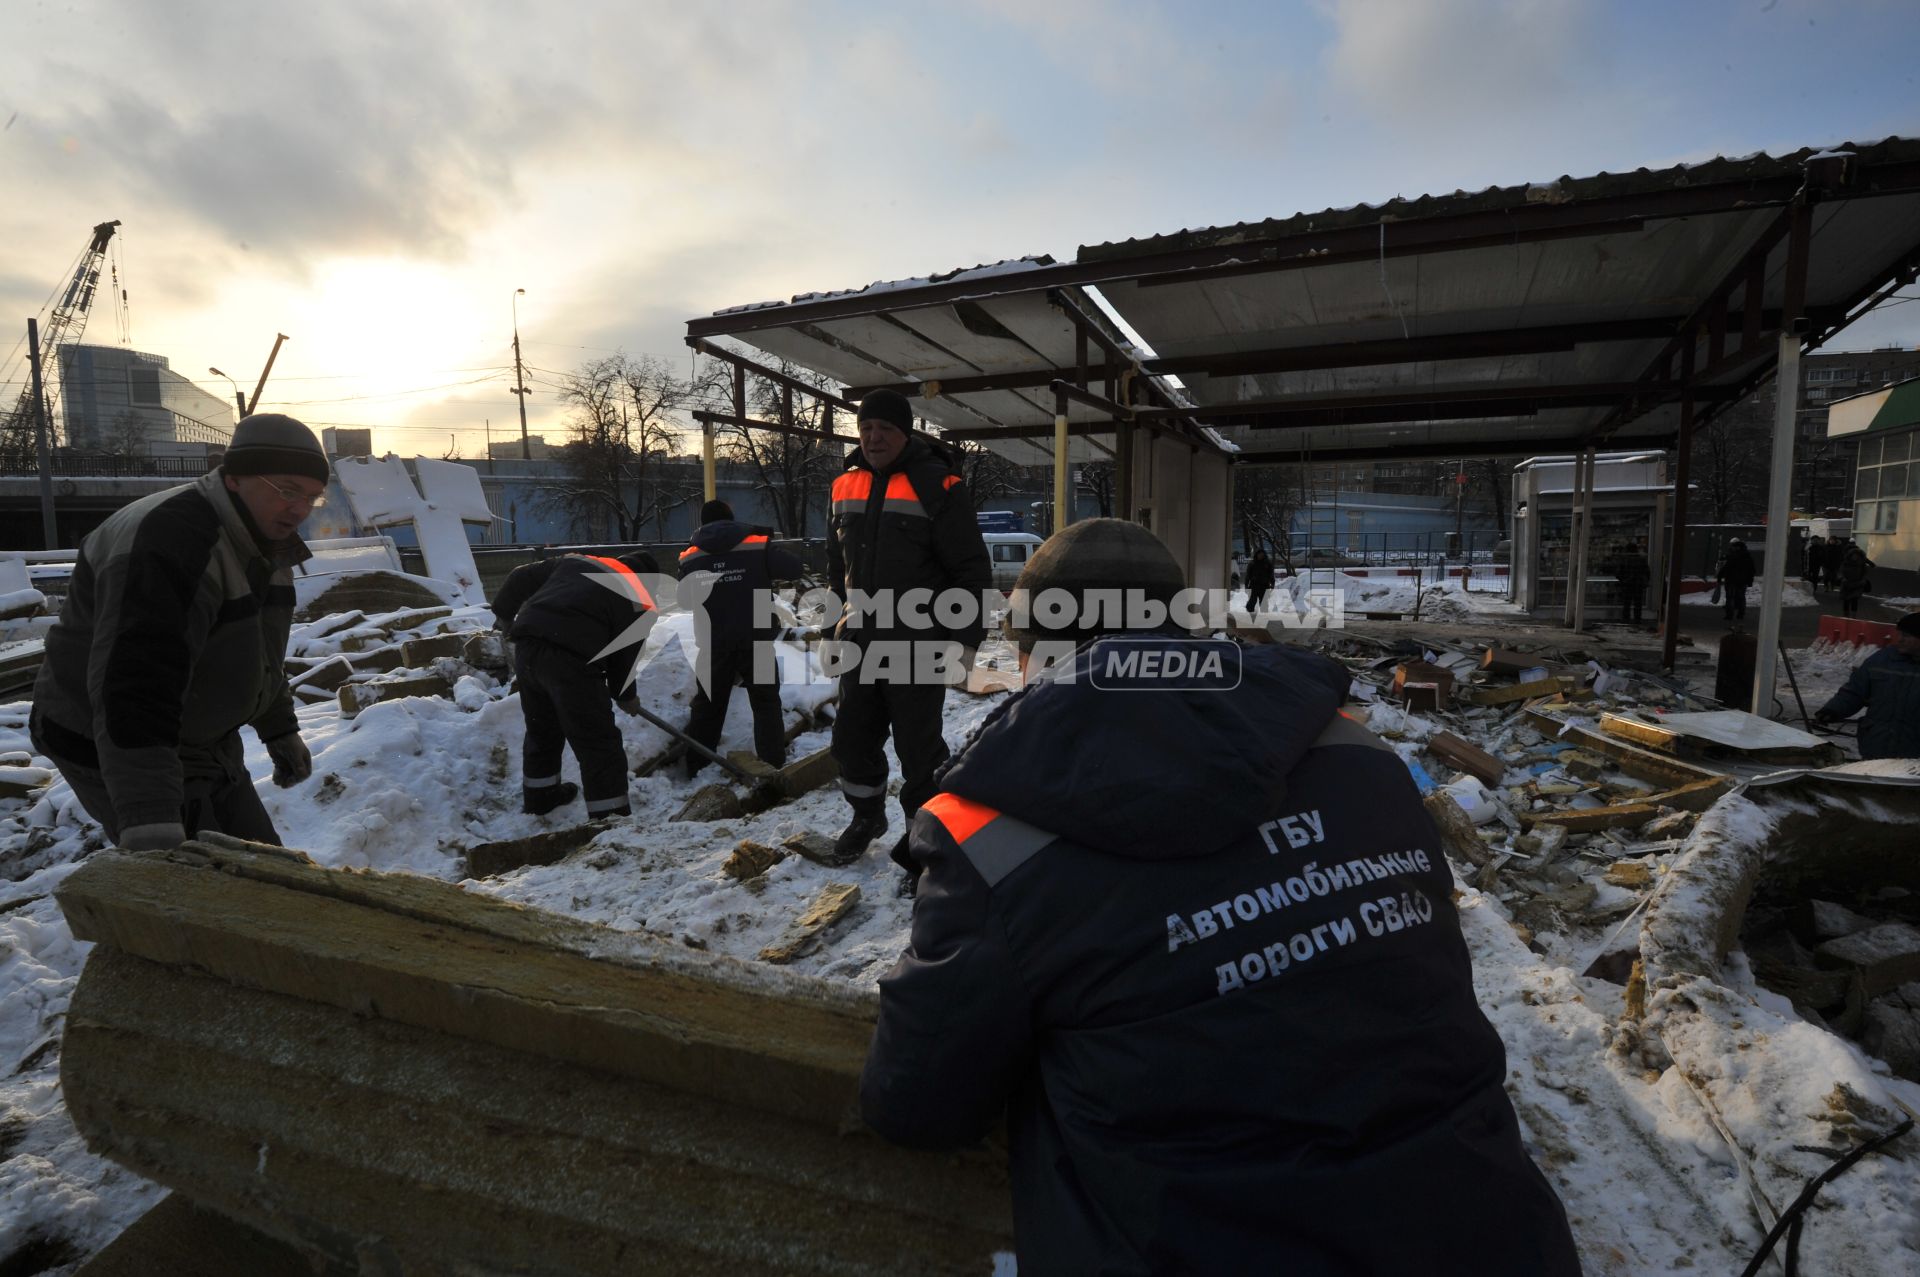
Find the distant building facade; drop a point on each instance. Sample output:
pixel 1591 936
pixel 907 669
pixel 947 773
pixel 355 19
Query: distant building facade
pixel 129 402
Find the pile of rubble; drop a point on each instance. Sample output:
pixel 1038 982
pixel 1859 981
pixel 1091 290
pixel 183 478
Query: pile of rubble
pixel 1561 785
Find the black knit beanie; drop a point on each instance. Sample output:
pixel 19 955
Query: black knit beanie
pixel 889 406
pixel 274 443
pixel 1112 556
pixel 715 511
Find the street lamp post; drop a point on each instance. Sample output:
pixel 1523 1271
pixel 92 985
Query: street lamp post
pixel 239 400
pixel 520 377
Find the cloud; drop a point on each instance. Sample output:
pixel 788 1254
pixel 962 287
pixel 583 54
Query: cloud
pixel 1429 65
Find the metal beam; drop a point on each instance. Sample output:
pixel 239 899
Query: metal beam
pixel 1541 446
pixel 1433 233
pixel 1539 395
pixel 773 375
pixel 752 423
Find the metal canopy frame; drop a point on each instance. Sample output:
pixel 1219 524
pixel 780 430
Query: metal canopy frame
pixel 1624 309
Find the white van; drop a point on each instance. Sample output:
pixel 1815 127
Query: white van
pixel 1009 552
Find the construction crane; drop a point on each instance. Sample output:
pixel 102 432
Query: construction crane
pixel 68 321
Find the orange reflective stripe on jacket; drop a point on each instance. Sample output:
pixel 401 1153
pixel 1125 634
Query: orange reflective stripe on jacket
pixel 852 491
pixel 962 817
pixel 628 575
pixel 994 843
pixel 757 542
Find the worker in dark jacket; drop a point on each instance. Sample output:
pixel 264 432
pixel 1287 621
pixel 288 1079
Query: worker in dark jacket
pixel 174 636
pixel 727 576
pixel 577 622
pixel 901 522
pixel 1887 684
pixel 1198 947
pixel 1735 575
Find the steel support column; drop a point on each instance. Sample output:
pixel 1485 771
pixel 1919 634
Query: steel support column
pixel 1779 515
pixel 1677 540
pixel 1062 488
pixel 1786 400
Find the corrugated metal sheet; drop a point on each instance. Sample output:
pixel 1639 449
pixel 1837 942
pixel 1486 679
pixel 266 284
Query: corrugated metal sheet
pixel 1651 246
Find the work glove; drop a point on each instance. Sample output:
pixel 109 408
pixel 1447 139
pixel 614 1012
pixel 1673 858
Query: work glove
pixel 162 836
pixel 292 760
pixel 630 704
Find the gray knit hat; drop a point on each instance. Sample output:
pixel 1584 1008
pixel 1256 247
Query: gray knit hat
pixel 274 443
pixel 1110 556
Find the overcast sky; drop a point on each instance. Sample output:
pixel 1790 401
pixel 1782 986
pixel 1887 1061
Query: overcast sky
pixel 375 180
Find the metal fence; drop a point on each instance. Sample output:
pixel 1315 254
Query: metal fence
pixel 106 465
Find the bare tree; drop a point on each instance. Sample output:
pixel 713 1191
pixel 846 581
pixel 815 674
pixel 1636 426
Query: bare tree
pixel 988 475
pixel 125 435
pixel 621 466
pixel 1101 480
pixel 792 471
pixel 1730 460
pixel 1265 498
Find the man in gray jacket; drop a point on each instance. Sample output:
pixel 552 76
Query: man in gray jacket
pixel 174 635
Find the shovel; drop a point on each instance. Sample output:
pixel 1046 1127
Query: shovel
pixel 762 792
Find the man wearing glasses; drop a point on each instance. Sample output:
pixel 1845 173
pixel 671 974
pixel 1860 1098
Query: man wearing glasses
pixel 174 635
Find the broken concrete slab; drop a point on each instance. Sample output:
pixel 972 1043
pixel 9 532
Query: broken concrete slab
pixel 1887 956
pixel 547 848
pixel 710 802
pixel 418 653
pixel 355 697
pixel 1830 921
pixel 392 1072
pixel 327 676
pixel 486 650
pixel 816 847
pixel 804 935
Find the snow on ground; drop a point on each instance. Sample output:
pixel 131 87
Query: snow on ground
pixel 1792 594
pixel 409 784
pixel 1445 600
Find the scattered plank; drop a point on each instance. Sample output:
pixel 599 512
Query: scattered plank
pixel 356 697
pixel 834 902
pixel 1463 755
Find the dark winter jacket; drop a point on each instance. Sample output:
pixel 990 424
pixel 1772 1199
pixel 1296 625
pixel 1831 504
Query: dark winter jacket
pixel 1199 948
pixel 910 528
pixel 1888 684
pixel 1632 571
pixel 727 576
pixel 1736 568
pixel 583 604
pixel 173 635
pixel 1852 572
pixel 1259 576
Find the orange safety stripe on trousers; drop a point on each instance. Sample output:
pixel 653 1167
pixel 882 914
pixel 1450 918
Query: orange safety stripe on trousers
pixel 962 817
pixel 631 577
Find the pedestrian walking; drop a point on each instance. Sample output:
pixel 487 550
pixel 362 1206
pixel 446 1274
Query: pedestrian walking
pixel 1735 574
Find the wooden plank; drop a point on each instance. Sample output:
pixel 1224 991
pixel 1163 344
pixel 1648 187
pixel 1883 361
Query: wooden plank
pixel 1590 819
pixel 1463 755
pixel 426 953
pixel 1498 694
pixel 1643 764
